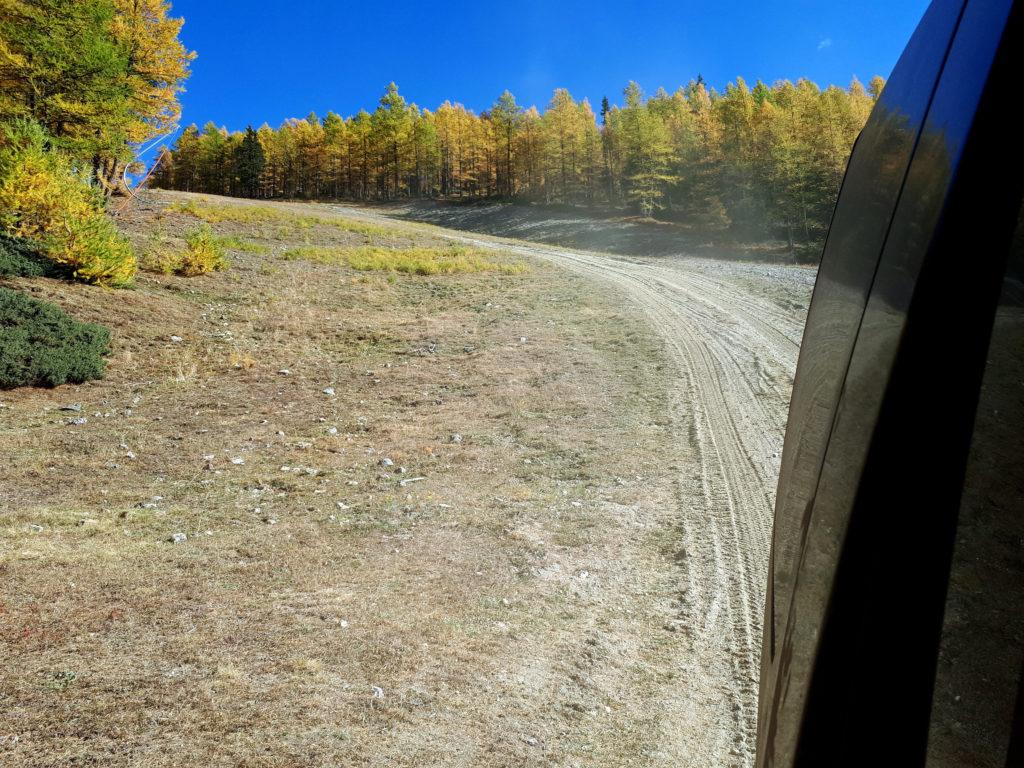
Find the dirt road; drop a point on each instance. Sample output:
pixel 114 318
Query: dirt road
pixel 735 354
pixel 733 333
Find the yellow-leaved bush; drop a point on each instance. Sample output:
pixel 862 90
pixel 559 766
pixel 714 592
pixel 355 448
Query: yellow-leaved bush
pixel 203 254
pixel 43 198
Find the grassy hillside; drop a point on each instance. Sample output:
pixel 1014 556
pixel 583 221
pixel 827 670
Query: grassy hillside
pixel 326 516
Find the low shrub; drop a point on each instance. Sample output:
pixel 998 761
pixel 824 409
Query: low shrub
pixel 40 345
pixel 204 253
pixel 160 255
pixel 23 258
pixel 44 199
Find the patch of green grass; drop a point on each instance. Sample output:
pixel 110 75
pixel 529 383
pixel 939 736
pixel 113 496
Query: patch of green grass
pixel 454 259
pixel 60 681
pixel 232 243
pixel 216 213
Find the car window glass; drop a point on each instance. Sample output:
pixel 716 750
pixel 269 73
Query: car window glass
pixel 983 629
pixel 859 229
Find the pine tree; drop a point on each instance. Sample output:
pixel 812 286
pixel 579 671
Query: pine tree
pixel 249 163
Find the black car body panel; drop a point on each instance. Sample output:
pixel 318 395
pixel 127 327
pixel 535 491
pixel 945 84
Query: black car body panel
pixel 881 424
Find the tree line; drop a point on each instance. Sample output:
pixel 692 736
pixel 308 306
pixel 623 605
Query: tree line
pixel 757 161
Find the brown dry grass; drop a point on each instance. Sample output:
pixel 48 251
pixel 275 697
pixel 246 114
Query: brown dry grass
pixel 506 609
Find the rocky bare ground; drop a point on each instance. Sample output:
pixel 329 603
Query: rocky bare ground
pixel 732 332
pixel 315 517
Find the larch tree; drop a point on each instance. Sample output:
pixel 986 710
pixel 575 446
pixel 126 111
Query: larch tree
pixel 156 66
pixel 507 116
pixel 62 66
pixel 646 151
pixel 391 123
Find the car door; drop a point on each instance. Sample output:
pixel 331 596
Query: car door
pixel 884 400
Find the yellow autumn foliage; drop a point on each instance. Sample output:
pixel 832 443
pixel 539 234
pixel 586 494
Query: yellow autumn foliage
pixel 43 199
pixel 204 253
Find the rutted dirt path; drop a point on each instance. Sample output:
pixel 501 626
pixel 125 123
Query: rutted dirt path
pixel 733 331
pixel 735 356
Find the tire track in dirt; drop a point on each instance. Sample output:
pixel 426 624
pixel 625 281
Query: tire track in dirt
pixel 735 355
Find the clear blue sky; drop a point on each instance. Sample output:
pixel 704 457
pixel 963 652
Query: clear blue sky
pixel 267 60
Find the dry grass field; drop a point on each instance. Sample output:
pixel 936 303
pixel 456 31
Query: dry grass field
pixel 324 516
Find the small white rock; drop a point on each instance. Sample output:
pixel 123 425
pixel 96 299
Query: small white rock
pixel 329 390
pixel 176 339
pixel 378 692
pixel 179 538
pixel 238 460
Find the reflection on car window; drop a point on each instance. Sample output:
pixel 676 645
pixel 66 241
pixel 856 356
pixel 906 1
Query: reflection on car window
pixel 863 214
pixel 983 630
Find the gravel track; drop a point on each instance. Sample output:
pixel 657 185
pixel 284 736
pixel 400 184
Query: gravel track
pixel 733 332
